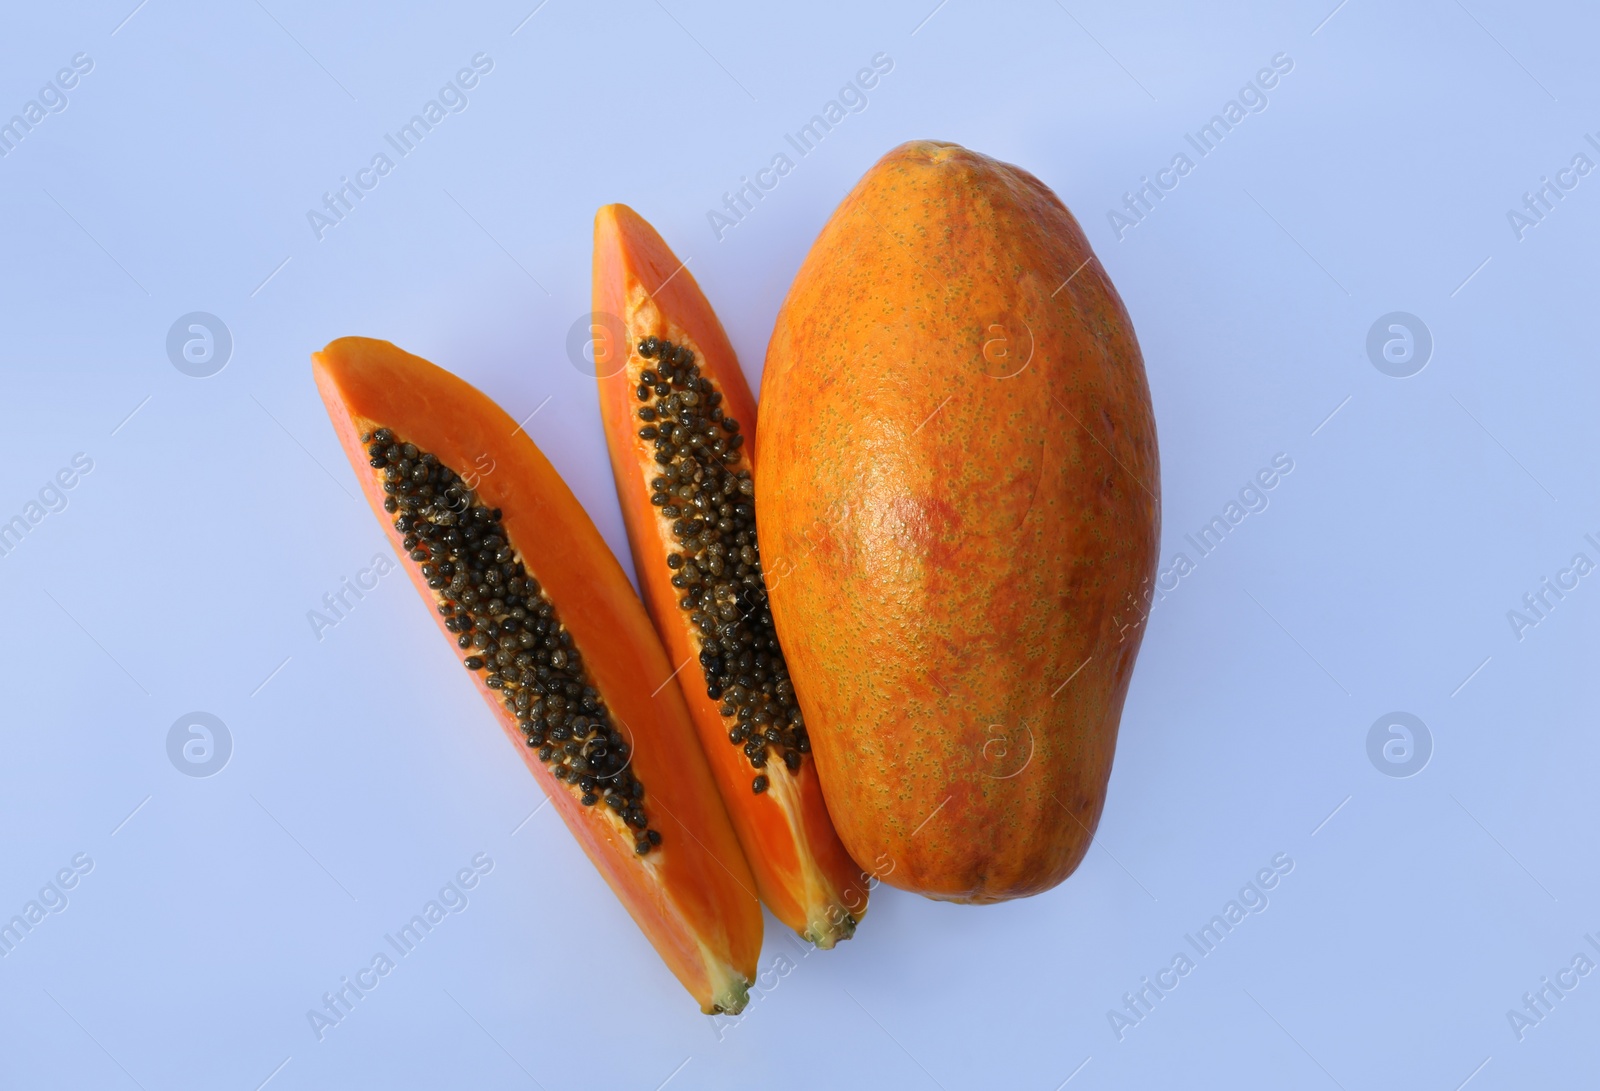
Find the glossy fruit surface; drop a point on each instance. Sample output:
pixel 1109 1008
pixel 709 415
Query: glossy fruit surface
pixel 692 894
pixel 958 489
pixel 648 305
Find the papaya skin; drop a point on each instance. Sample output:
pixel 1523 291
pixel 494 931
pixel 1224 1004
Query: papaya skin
pixel 953 390
pixel 693 895
pixel 801 868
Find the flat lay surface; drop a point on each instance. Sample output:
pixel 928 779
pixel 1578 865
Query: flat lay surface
pixel 1346 838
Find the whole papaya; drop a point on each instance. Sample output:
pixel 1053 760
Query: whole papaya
pixel 958 514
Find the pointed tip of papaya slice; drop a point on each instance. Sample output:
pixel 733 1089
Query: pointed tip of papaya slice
pixel 618 233
pixel 614 219
pixel 689 888
pixel 801 868
pixel 610 216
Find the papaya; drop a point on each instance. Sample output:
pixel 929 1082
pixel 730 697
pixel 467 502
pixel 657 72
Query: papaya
pixel 544 618
pixel 957 439
pixel 679 418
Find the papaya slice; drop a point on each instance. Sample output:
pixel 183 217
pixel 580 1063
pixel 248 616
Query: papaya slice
pixel 558 644
pixel 679 419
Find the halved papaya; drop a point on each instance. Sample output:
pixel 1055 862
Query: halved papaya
pixel 559 646
pixel 679 419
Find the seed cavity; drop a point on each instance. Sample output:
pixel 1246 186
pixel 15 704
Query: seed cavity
pixel 705 491
pixel 487 597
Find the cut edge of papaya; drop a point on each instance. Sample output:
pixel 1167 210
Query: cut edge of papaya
pixel 801 867
pixel 693 896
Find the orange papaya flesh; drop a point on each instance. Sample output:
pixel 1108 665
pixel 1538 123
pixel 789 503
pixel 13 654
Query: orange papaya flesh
pixel 558 645
pixel 679 421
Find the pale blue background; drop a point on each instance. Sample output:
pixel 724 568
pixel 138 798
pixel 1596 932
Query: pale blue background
pixel 365 773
